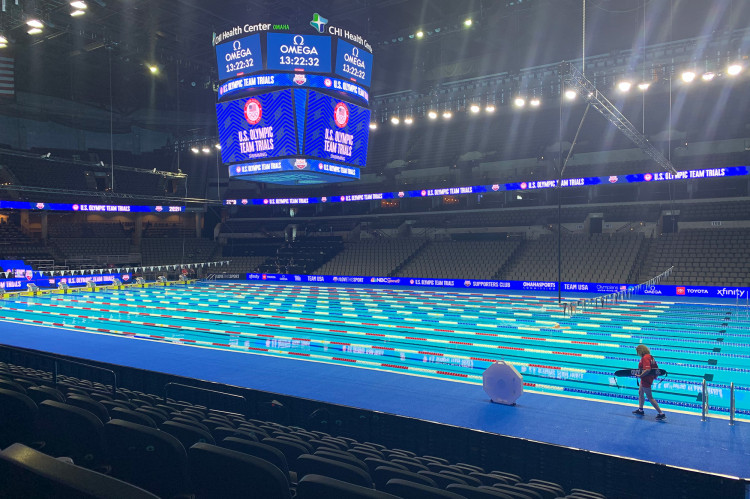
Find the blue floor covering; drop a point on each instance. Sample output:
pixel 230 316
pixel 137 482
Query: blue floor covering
pixel 682 440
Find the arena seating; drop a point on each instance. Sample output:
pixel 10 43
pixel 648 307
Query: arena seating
pixel 204 452
pixel 585 258
pixel 177 250
pixel 702 257
pixel 376 257
pixel 460 259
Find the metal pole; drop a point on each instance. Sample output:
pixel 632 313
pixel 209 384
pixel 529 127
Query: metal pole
pixel 731 404
pixel 704 408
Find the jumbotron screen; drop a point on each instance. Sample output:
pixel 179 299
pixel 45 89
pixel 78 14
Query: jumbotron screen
pixel 291 123
pixel 293 103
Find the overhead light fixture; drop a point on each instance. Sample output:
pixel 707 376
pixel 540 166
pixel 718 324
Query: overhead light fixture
pixel 432 115
pixel 734 69
pixel 688 76
pixel 77 13
pixel 79 4
pixel 420 34
pixel 570 94
pixel 519 102
pixel 490 108
pixel 206 149
pixel 708 76
pixel 535 102
pixel 475 108
pixel 195 150
pixel 395 120
pixel 408 120
pixel 35 23
pixel 3 40
pixel 34 31
pixel 643 86
pixel 217 146
pixel 153 68
pixel 373 126
pixel 624 86
pixel 467 22
pixel 447 115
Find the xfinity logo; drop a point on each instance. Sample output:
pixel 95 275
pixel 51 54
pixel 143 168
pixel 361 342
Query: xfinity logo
pixel 731 292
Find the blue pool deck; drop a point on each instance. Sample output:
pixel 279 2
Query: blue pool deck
pixel 565 418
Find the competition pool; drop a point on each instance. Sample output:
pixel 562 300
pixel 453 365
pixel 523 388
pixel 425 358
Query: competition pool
pixel 437 334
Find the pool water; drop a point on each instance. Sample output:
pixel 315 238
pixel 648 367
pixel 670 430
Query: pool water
pixel 438 334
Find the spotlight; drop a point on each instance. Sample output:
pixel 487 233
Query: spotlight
pixel 432 115
pixel 467 22
pixel 519 102
pixel 734 69
pixel 408 120
pixel 490 108
pixel 79 4
pixel 34 31
pixel 77 13
pixel 373 126
pixel 688 76
pixel 447 115
pixel 643 86
pixel 153 68
pixel 195 150
pixel 420 34
pixel 474 108
pixel 395 120
pixel 708 76
pixel 570 94
pixel 3 40
pixel 34 23
pixel 624 86
pixel 535 102
pixel 206 150
pixel 217 146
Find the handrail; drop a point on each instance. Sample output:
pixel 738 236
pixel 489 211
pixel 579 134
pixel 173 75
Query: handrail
pixel 57 359
pixel 225 394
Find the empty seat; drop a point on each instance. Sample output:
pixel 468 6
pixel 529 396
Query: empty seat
pixel 442 480
pixel 309 464
pixel 263 451
pixel 383 474
pixel 41 393
pixel 323 487
pixel 147 457
pixel 291 450
pixel 17 418
pixel 91 405
pixel 478 492
pixel 26 473
pixel 72 432
pixel 342 456
pixel 404 488
pixel 132 416
pixel 220 472
pixel 187 434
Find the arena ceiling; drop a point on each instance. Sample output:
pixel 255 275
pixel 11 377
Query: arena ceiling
pixel 102 57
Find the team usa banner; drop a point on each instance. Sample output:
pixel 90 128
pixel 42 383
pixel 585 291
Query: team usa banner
pixel 655 290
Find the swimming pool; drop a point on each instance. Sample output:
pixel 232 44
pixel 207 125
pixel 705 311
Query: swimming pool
pixel 439 334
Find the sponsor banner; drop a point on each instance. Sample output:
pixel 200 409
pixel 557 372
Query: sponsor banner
pixel 53 281
pixel 739 293
pixel 226 276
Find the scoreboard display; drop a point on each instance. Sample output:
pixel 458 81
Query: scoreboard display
pixel 293 104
